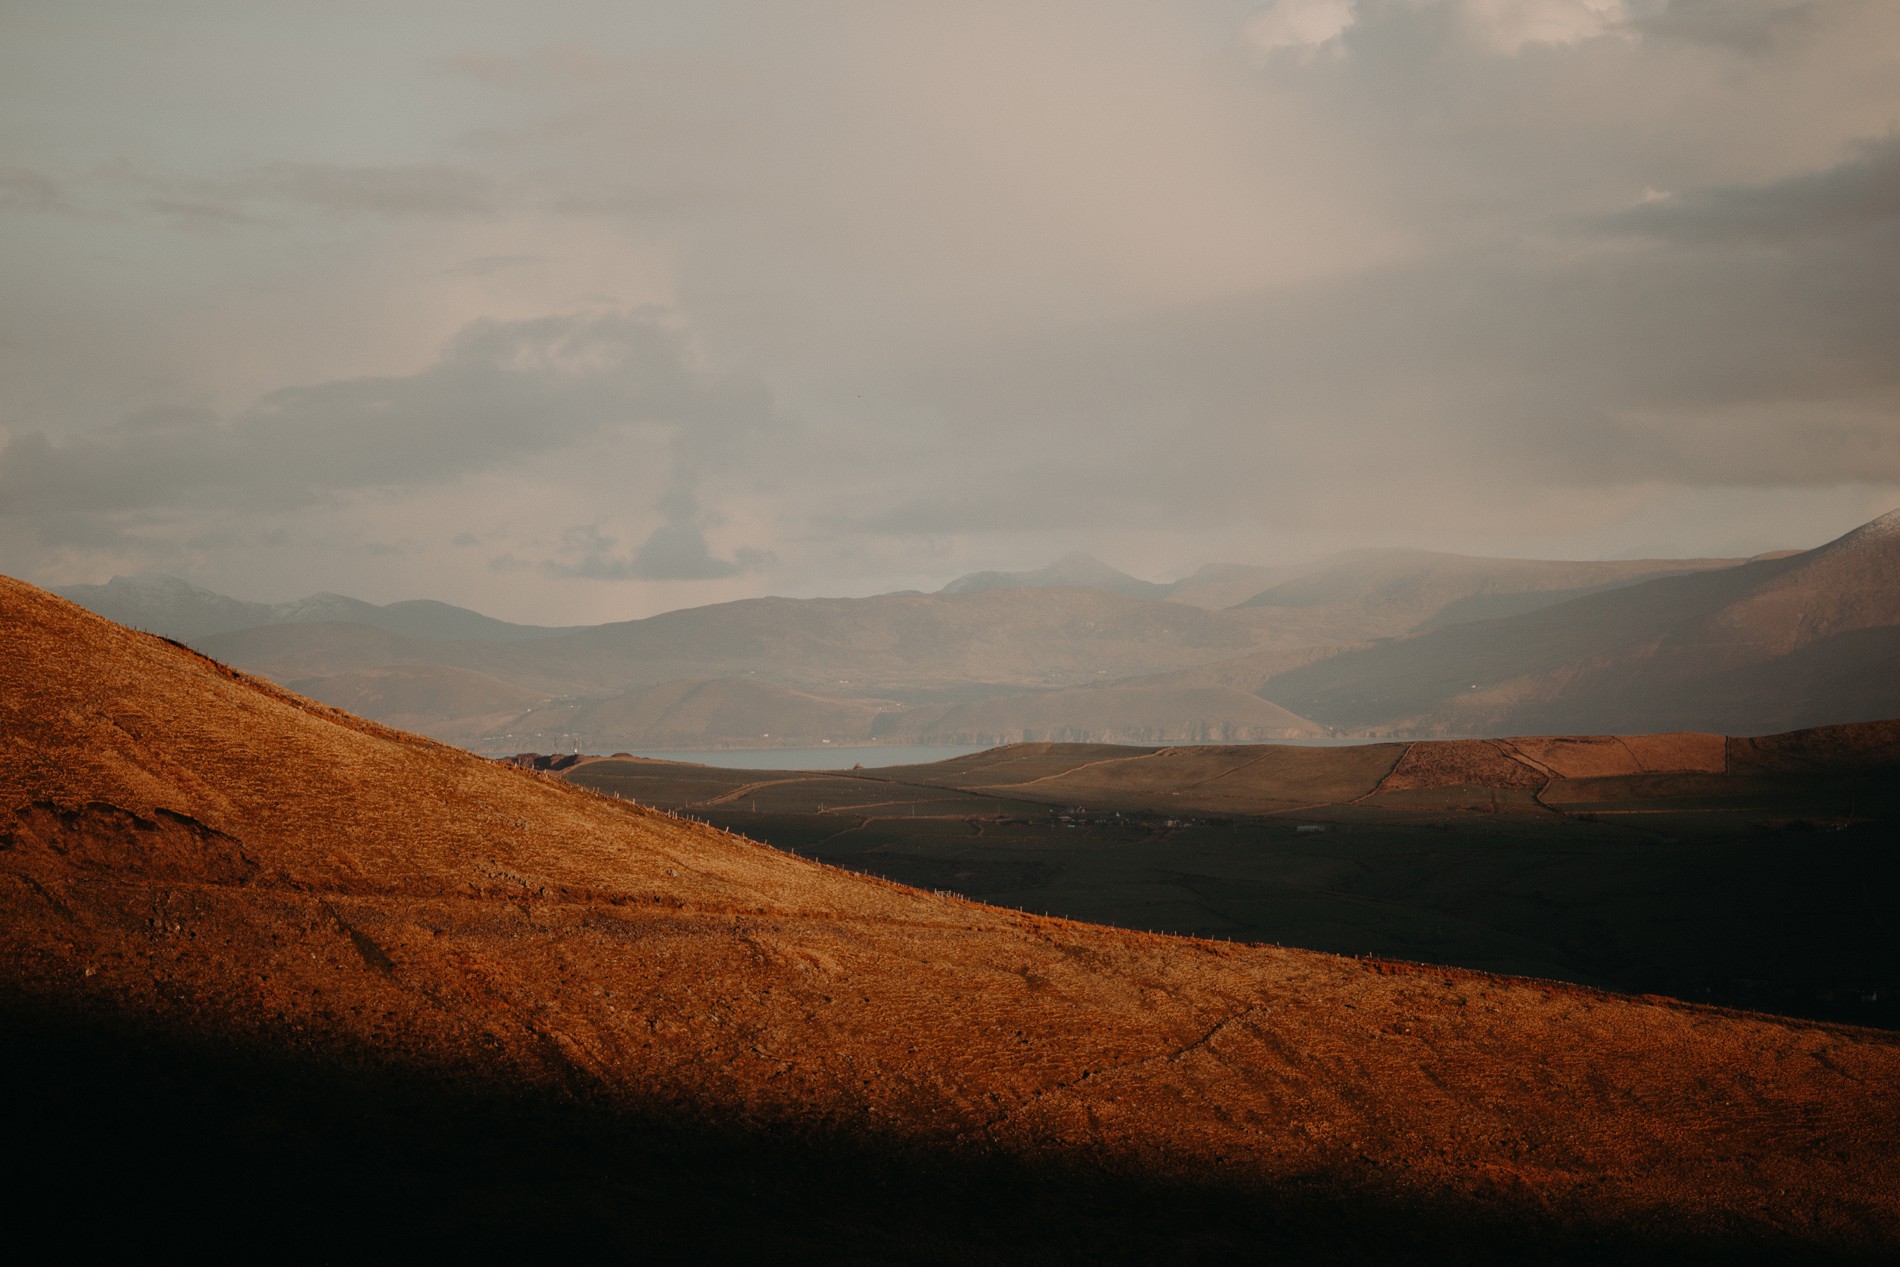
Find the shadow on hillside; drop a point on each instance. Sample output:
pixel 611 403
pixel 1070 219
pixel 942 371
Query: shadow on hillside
pixel 124 1137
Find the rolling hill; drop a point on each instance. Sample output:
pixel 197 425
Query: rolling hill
pixel 1074 571
pixel 747 712
pixel 1385 593
pixel 176 608
pixel 1126 713
pixel 1773 644
pixel 272 970
pixel 836 668
pixel 1360 594
pixel 704 713
pixel 1220 585
pixel 885 644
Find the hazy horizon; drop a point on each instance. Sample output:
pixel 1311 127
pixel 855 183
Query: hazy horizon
pixel 285 590
pixel 567 313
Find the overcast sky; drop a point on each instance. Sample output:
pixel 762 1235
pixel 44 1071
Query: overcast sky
pixel 576 312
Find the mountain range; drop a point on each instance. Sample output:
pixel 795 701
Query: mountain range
pixel 1772 644
pixel 1382 642
pixel 176 608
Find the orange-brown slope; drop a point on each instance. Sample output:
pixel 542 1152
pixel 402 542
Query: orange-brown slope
pixel 1204 778
pixel 1127 713
pixel 186 845
pixel 1775 643
pixel 1535 772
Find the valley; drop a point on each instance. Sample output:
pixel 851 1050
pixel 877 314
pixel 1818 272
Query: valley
pixel 1751 874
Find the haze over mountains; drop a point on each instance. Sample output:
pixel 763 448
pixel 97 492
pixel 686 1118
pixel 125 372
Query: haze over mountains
pixel 1385 642
pixel 176 608
pixel 1771 644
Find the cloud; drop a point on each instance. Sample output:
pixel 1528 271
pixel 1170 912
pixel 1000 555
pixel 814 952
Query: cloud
pixel 549 66
pixel 26 189
pixel 1753 27
pixel 425 189
pixel 1503 26
pixel 204 215
pixel 676 551
pixel 1001 276
pixel 264 195
pixel 489 265
pixel 1477 382
pixel 500 393
pixel 1860 193
pixel 1819 443
pixel 1509 26
pixel 1299 24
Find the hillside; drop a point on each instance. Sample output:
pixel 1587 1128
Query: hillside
pixel 1384 593
pixel 747 712
pixel 1103 714
pixel 703 713
pixel 1075 571
pixel 837 669
pixel 176 608
pixel 1221 585
pixel 1534 774
pixel 890 643
pixel 1753 872
pixel 1775 643
pixel 345 925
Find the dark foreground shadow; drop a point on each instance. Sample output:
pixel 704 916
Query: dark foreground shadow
pixel 124 1138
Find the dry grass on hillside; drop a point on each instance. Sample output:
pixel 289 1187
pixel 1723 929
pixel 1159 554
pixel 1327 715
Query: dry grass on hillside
pixel 188 844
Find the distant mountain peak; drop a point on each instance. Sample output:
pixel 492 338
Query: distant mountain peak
pixel 1075 570
pixel 1886 527
pixel 170 605
pixel 1873 545
pixel 166 604
pixel 154 583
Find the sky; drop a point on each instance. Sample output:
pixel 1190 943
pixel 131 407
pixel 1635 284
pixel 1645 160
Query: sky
pixel 577 312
